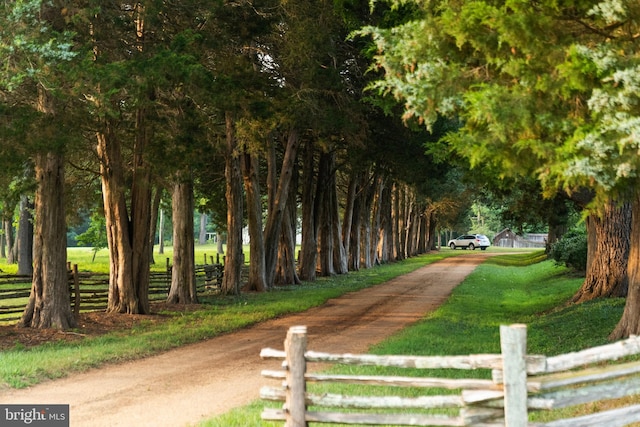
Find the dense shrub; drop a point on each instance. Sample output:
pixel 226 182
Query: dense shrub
pixel 571 250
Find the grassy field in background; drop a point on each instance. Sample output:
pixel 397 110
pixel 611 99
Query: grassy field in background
pixel 84 257
pixel 504 290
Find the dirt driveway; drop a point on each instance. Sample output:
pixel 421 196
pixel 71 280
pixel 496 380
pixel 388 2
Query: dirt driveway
pixel 183 386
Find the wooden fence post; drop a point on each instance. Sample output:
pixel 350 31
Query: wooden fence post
pixel 169 273
pixel 295 347
pixel 513 342
pixel 76 289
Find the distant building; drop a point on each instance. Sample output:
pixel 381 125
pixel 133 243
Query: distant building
pixel 508 239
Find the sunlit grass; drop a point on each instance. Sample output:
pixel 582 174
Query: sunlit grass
pixel 84 258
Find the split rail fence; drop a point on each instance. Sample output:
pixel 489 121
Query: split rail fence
pixel 90 291
pixel 520 383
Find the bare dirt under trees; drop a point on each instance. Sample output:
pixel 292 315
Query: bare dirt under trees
pixel 186 385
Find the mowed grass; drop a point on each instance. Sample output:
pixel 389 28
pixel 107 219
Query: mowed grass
pixel 21 367
pixel 507 289
pixel 84 257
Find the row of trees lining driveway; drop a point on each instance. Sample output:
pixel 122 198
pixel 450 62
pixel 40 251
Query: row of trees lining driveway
pixel 255 108
pixel 258 111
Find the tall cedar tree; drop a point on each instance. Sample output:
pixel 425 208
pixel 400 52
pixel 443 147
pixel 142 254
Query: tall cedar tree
pixel 36 45
pixel 139 61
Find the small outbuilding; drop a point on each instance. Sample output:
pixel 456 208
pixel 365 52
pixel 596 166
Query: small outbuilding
pixel 508 239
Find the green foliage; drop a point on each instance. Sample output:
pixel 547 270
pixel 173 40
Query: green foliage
pixel 571 250
pixel 96 234
pixel 484 220
pixel 544 89
pixel 33 42
pixel 608 146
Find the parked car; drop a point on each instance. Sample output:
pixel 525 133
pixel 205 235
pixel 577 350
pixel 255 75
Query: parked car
pixel 470 241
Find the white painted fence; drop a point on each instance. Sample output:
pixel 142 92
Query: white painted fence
pixel 520 383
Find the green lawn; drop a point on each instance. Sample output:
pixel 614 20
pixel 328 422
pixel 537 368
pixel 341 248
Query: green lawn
pixel 83 257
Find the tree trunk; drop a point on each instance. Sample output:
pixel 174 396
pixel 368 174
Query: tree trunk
pixel 423 230
pixel 286 273
pixel 161 233
pixel 153 222
pixel 417 230
pixel 557 220
pixel 629 324
pixel 309 246
pixel 272 176
pixel 386 230
pixel 141 214
pixel 366 207
pixel 376 218
pixel 607 266
pixel 183 276
pixel 326 244
pixel 275 218
pixel 325 232
pixel 409 224
pixel 432 229
pixel 397 222
pixel 340 260
pixel 233 174
pixel 202 235
pixel 286 268
pixel 347 218
pixel 8 232
pixel 356 221
pixel 25 238
pixel 122 296
pixel 219 245
pixel 128 231
pixel 49 302
pixel 257 270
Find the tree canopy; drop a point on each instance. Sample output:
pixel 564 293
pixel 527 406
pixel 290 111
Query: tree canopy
pixel 261 108
pixel 541 88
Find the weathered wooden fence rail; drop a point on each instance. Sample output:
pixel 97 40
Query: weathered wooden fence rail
pixel 14 289
pixel 520 383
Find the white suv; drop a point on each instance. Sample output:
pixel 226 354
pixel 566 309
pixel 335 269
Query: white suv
pixel 470 241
